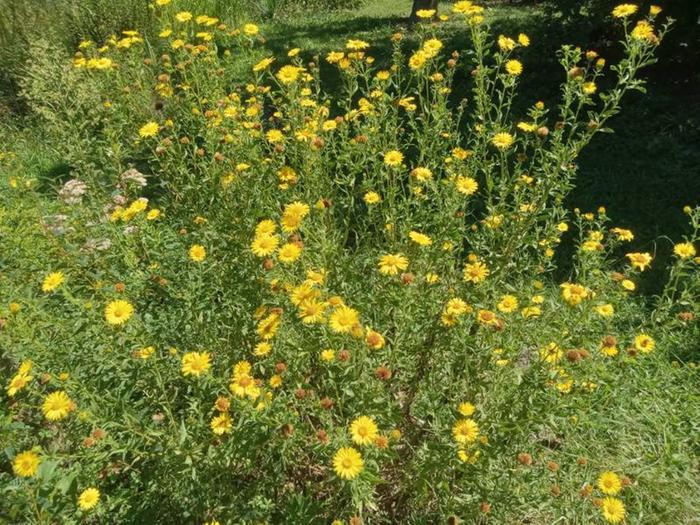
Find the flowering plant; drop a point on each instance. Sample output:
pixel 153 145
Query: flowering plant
pixel 267 303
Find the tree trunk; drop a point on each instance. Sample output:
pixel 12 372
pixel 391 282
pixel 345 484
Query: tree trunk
pixel 423 4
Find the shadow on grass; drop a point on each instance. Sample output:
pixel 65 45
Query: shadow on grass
pixel 51 177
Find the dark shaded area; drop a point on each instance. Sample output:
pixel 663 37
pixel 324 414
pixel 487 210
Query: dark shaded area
pixel 52 177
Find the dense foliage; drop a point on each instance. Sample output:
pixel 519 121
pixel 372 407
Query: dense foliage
pixel 255 301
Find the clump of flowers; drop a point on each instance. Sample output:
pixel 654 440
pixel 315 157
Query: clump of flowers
pixel 371 271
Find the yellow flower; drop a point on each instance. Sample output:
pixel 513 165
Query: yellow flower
pixel 146 352
pixel 589 88
pixel 356 45
pixel 644 343
pixel 197 253
pixel 26 464
pixel 417 60
pixel 276 381
pixel 334 57
pixel 293 214
pixel 466 185
pixel 574 293
pixel 514 67
pixel 363 430
pixel 609 483
pixel 311 311
pixel 17 383
pixel 605 310
pixel 264 245
pixel 392 264
pixel 288 74
pixel 344 319
pixel 329 125
pixel 118 312
pixel 523 40
pixel 393 158
pixel 267 327
pixel 457 306
pixel 265 227
pixel 425 13
pixel 466 7
pixel 431 47
pixel 274 135
pixel 153 214
pixel 372 197
pixel 639 261
pixel 420 238
pixel 466 409
pixel 374 340
pixel 262 349
pixel 289 252
pixel 52 281
pixel 613 510
pixel 551 353
pixel 487 318
pixel 221 424
pixel 654 10
pixel 328 355
pixel 508 304
pixel 531 311
pixel 623 234
pixel 624 10
pixel 348 463
pixel 183 16
pixel 643 31
pixel 25 367
pixel 502 140
pixel 243 385
pixel 475 272
pixel 263 64
pixel 149 129
pixel 505 43
pixel 251 29
pixel 88 498
pixel 684 250
pixel 628 285
pixel 57 405
pixel 195 363
pixel 609 348
pixel 422 174
pixel 465 431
